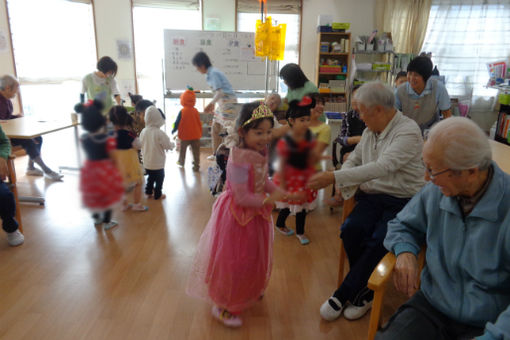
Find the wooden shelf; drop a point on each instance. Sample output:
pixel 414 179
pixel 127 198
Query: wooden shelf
pixel 334 54
pixel 330 80
pixel 332 74
pixel 373 71
pixel 331 92
pixel 335 33
pixel 373 52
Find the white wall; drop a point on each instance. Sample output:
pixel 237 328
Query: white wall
pixel 221 12
pixel 360 13
pixel 113 22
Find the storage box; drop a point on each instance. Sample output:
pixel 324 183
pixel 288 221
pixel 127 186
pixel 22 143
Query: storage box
pixel 381 66
pixel 330 69
pixel 324 46
pixel 337 89
pixel 324 29
pixel 340 26
pixel 334 115
pixel 336 83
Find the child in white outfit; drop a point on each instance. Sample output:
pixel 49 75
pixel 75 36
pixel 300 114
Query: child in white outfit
pixel 154 144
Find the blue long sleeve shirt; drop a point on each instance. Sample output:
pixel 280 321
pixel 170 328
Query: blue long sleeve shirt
pixel 467 271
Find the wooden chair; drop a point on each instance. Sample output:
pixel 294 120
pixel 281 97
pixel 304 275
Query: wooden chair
pixel 347 209
pixel 11 178
pixel 378 281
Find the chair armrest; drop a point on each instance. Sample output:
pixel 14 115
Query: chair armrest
pixel 382 272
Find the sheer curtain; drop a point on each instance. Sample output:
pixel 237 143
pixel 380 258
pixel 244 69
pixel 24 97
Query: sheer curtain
pixel 407 22
pixel 463 36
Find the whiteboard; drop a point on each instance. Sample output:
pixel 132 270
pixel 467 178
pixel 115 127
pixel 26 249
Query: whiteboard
pixel 230 52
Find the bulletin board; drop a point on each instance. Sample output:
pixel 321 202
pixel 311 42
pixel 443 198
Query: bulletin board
pixel 230 52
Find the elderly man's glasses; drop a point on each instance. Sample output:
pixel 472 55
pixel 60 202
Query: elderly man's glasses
pixel 434 175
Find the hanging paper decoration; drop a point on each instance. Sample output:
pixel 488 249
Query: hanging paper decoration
pixel 270 40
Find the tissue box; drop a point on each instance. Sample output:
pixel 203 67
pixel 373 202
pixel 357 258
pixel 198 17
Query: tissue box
pixel 324 20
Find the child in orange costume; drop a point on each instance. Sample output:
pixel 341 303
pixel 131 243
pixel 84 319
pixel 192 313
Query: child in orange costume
pixel 189 129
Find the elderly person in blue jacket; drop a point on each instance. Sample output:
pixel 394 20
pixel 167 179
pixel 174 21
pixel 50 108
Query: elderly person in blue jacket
pixel 463 217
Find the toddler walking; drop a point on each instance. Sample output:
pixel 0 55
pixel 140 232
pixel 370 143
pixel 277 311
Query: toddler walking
pixel 154 144
pixel 189 129
pixel 126 156
pixel 297 161
pixel 100 180
pixel 234 255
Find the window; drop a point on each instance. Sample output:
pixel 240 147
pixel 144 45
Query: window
pixel 151 18
pixel 463 37
pixel 281 12
pixel 52 56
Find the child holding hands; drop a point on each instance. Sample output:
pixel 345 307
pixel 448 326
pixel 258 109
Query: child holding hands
pixel 233 262
pixel 297 160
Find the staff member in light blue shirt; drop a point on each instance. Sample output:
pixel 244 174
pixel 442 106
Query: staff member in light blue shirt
pixel 422 98
pixel 226 112
pixel 463 217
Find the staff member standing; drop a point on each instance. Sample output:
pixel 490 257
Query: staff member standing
pixel 422 98
pixel 223 95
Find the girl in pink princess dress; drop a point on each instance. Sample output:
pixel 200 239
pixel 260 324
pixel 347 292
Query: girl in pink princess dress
pixel 234 255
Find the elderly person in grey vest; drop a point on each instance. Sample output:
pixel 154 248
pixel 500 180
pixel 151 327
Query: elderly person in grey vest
pixel 422 98
pixel 463 217
pixel 384 171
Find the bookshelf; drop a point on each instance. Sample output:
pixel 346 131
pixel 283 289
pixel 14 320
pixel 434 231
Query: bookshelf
pixel 503 124
pixel 333 65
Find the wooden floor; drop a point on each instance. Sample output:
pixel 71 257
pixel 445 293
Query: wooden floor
pixel 71 280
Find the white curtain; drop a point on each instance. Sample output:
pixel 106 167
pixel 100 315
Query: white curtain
pixel 406 20
pixel 463 36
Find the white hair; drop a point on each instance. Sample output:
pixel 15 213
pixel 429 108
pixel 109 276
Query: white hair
pixel 7 81
pixel 275 95
pixel 375 93
pixel 462 143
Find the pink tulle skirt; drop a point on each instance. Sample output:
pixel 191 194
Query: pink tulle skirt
pixel 234 256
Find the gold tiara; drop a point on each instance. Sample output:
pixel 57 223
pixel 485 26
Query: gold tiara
pixel 262 111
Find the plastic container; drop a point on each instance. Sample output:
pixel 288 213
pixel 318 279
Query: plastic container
pixel 504 98
pixel 334 115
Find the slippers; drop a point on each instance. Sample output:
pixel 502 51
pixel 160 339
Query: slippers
pixel 285 231
pixel 139 207
pixel 303 239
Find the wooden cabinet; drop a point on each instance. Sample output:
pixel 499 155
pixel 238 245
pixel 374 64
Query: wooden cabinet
pixel 333 65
